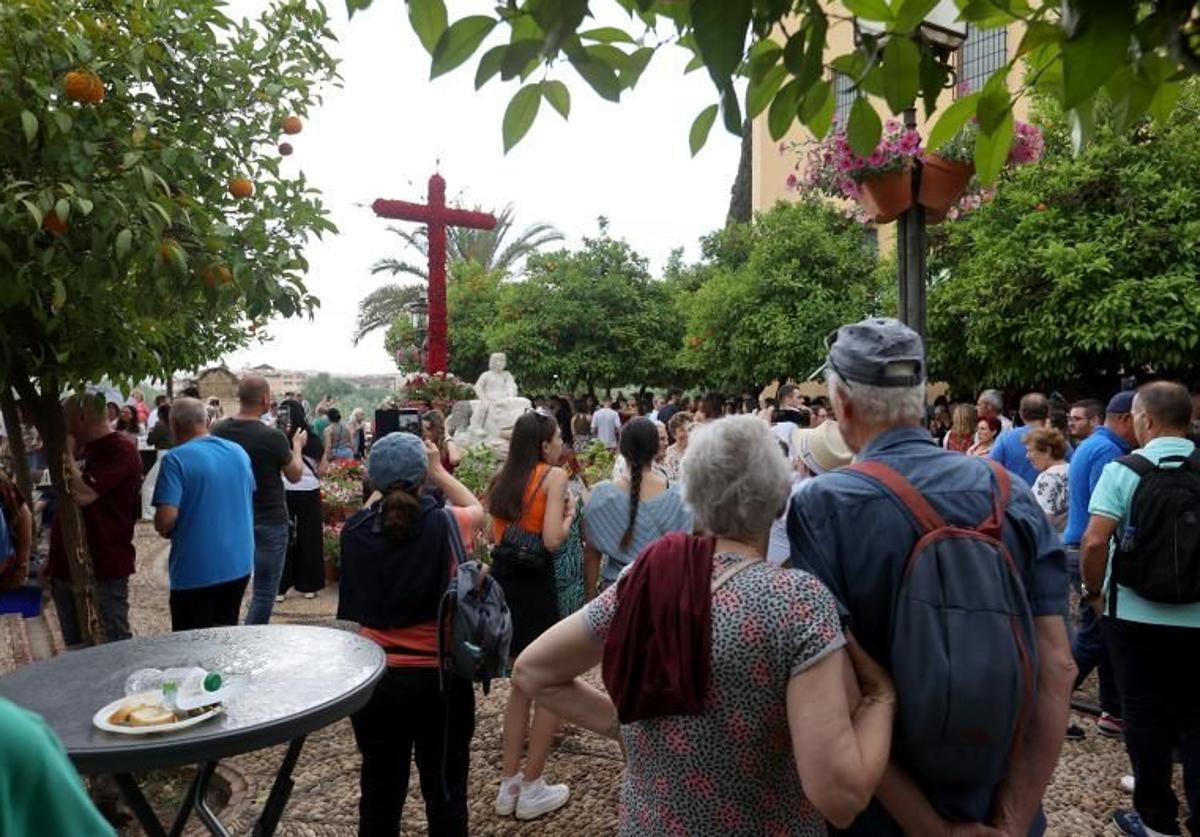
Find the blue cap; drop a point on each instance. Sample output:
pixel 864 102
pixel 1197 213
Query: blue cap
pixel 1122 402
pixel 397 458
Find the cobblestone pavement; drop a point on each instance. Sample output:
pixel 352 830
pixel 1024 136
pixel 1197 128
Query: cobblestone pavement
pixel 324 801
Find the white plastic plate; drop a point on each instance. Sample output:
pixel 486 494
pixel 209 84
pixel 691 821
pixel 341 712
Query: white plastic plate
pixel 100 719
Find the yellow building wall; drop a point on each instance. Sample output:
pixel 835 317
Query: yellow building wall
pixel 770 167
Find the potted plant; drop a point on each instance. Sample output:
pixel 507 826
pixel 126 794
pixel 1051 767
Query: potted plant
pixel 1027 147
pixel 331 537
pixel 881 183
pixel 946 173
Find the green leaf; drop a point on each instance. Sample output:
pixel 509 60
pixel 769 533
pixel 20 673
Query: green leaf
pixel 598 75
pixel 759 94
pixel 556 93
pixel 607 35
pixel 783 110
pixel 517 56
pixel 353 6
pixel 901 61
pixel 635 65
pixel 58 297
pixel 84 206
pixel 951 121
pixel 34 212
pixel 720 29
pixel 762 56
pixel 428 20
pixel 816 112
pixel 1163 102
pixel 489 65
pixel 864 128
pixel 459 42
pixel 1082 121
pixel 1039 33
pixel 701 127
pixel 63 121
pixel 994 104
pixel 62 209
pixel 910 13
pixel 29 124
pixel 519 115
pixel 868 9
pixel 991 151
pixel 122 244
pixel 695 64
pixel 1093 54
pixel 811 67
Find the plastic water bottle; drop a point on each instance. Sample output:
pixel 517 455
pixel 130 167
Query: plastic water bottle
pixel 181 688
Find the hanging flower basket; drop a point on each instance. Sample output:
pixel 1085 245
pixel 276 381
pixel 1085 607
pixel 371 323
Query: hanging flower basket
pixel 943 183
pixel 886 196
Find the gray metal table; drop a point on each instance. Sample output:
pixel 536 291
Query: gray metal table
pixel 298 680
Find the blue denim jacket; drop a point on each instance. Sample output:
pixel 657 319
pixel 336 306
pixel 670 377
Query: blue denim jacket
pixel 856 537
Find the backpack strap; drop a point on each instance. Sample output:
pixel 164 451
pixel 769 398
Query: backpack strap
pixel 457 549
pixel 994 525
pixel 928 520
pixel 1137 463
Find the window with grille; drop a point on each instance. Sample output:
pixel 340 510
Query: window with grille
pixel 983 53
pixel 843 97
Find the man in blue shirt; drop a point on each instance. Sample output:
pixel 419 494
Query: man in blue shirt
pixel 1112 439
pixel 203 503
pixel 856 537
pixel 1009 449
pixel 1155 646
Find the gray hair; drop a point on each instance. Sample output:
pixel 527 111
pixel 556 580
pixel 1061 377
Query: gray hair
pixel 188 413
pixel 735 477
pixel 892 406
pixel 993 397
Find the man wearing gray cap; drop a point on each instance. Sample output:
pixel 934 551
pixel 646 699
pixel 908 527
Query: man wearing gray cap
pixel 949 575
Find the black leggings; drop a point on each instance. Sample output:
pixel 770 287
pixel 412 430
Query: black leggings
pixel 408 711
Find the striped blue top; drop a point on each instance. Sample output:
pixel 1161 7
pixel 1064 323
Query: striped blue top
pixel 606 517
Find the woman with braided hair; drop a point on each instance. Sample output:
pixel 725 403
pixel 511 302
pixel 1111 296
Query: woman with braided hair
pixel 626 515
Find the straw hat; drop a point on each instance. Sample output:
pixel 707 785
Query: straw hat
pixel 821 449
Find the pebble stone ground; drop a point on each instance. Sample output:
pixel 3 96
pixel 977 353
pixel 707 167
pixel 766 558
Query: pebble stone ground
pixel 324 802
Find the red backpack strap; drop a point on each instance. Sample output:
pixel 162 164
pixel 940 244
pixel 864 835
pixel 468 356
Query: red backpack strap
pixel 994 525
pixel 927 518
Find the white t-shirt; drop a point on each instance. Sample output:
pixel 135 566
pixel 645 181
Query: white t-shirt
pixel 778 548
pixel 606 426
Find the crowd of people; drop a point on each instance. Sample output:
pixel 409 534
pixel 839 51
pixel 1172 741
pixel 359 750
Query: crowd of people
pixel 855 610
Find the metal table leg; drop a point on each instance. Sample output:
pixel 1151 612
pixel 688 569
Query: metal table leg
pixel 280 791
pixel 200 790
pixel 141 808
pixel 185 809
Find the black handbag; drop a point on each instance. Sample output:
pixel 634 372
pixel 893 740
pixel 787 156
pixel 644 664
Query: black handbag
pixel 520 549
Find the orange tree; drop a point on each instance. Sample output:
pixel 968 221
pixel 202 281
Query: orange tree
pixel 126 130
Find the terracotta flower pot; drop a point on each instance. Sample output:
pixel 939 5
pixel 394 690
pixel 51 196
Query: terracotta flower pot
pixel 332 572
pixel 886 196
pixel 942 184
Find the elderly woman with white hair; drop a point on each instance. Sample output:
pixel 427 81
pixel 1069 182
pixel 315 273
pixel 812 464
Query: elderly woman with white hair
pixel 728 676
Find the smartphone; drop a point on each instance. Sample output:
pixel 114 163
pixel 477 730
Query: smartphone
pixel 283 420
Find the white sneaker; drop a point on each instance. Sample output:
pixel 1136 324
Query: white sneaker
pixel 310 595
pixel 1127 784
pixel 506 799
pixel 278 599
pixel 538 798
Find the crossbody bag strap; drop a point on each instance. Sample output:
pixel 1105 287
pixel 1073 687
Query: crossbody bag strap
pixel 527 502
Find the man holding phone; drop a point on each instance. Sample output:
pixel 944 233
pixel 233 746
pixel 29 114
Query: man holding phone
pixel 270 455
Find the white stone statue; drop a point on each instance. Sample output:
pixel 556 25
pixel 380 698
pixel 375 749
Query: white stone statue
pixel 496 409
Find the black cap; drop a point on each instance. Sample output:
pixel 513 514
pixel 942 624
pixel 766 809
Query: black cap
pixel 861 353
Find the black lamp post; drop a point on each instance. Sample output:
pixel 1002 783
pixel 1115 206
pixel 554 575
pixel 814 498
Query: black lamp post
pixel 943 34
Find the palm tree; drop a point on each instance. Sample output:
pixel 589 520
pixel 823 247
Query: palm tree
pixel 485 248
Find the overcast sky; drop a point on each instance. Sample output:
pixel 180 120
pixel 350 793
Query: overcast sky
pixel 385 131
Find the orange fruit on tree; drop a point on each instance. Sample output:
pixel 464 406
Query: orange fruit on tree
pixel 285 148
pixel 292 125
pixel 217 274
pixel 241 187
pixel 78 86
pixel 53 224
pixel 95 89
pixel 167 249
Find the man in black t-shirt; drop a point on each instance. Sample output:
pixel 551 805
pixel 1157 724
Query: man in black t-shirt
pixel 270 455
